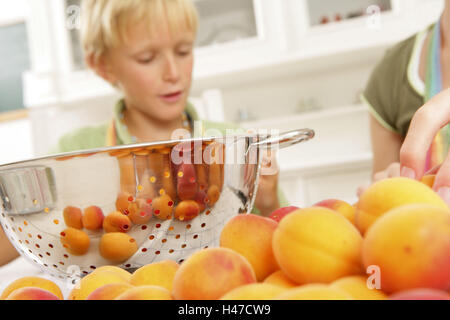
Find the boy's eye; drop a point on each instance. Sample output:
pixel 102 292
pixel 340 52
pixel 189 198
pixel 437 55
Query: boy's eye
pixel 145 59
pixel 184 51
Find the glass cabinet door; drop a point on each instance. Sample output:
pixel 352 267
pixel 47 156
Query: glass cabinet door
pixel 73 12
pixel 225 21
pixel 329 11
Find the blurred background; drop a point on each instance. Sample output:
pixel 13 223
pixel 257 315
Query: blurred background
pixel 281 64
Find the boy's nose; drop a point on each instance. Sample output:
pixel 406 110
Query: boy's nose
pixel 171 70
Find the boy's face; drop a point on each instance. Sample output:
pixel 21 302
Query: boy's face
pixel 153 71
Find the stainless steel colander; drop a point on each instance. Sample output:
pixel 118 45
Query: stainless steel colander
pixel 176 194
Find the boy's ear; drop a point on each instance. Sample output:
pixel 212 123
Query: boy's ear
pixel 100 66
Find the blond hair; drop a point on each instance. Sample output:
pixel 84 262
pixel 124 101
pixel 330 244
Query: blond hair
pixel 105 22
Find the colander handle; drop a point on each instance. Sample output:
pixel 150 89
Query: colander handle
pixel 285 139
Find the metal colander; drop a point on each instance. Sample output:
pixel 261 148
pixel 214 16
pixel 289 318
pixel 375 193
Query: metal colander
pixel 177 194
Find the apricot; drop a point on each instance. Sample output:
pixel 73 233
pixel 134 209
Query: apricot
pixel 146 293
pixel 127 174
pixel 314 292
pixel 278 278
pixel 254 291
pixel 75 241
pixel 158 274
pixel 163 207
pixel 117 270
pixel 72 217
pixel 215 159
pixel 316 245
pixel 251 236
pixel 280 213
pixel 140 211
pixel 123 201
pixel 116 222
pixel 411 247
pixel 428 180
pixel 33 282
pixel 210 273
pixel 31 293
pixel 213 195
pixel 202 176
pixel 93 218
pixel 117 246
pixel 421 294
pixel 201 199
pixel 167 177
pixel 109 291
pixel 388 194
pixel 93 281
pixel 145 186
pixel 186 182
pixel 342 207
pixel 357 287
pixel 187 210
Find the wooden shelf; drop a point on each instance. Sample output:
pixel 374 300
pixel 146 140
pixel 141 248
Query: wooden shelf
pixel 13 115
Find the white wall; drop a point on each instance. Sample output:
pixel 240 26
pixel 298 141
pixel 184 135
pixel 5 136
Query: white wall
pixel 15 140
pixel 15 136
pixel 13 11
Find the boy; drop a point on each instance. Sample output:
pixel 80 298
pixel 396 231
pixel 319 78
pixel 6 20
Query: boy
pixel 144 48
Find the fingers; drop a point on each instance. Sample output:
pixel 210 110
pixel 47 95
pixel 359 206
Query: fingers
pixel 425 124
pixel 393 170
pixel 361 189
pixel 442 181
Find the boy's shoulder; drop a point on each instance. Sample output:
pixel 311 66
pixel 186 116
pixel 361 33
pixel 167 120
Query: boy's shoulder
pixel 81 139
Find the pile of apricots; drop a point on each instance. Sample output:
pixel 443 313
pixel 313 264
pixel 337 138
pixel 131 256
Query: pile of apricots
pixel 151 185
pixel 394 243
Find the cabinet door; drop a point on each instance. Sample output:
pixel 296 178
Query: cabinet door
pixel 224 22
pixel 340 185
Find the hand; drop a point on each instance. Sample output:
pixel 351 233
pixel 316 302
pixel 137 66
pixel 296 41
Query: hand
pixel 266 200
pixel 393 170
pixel 425 124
